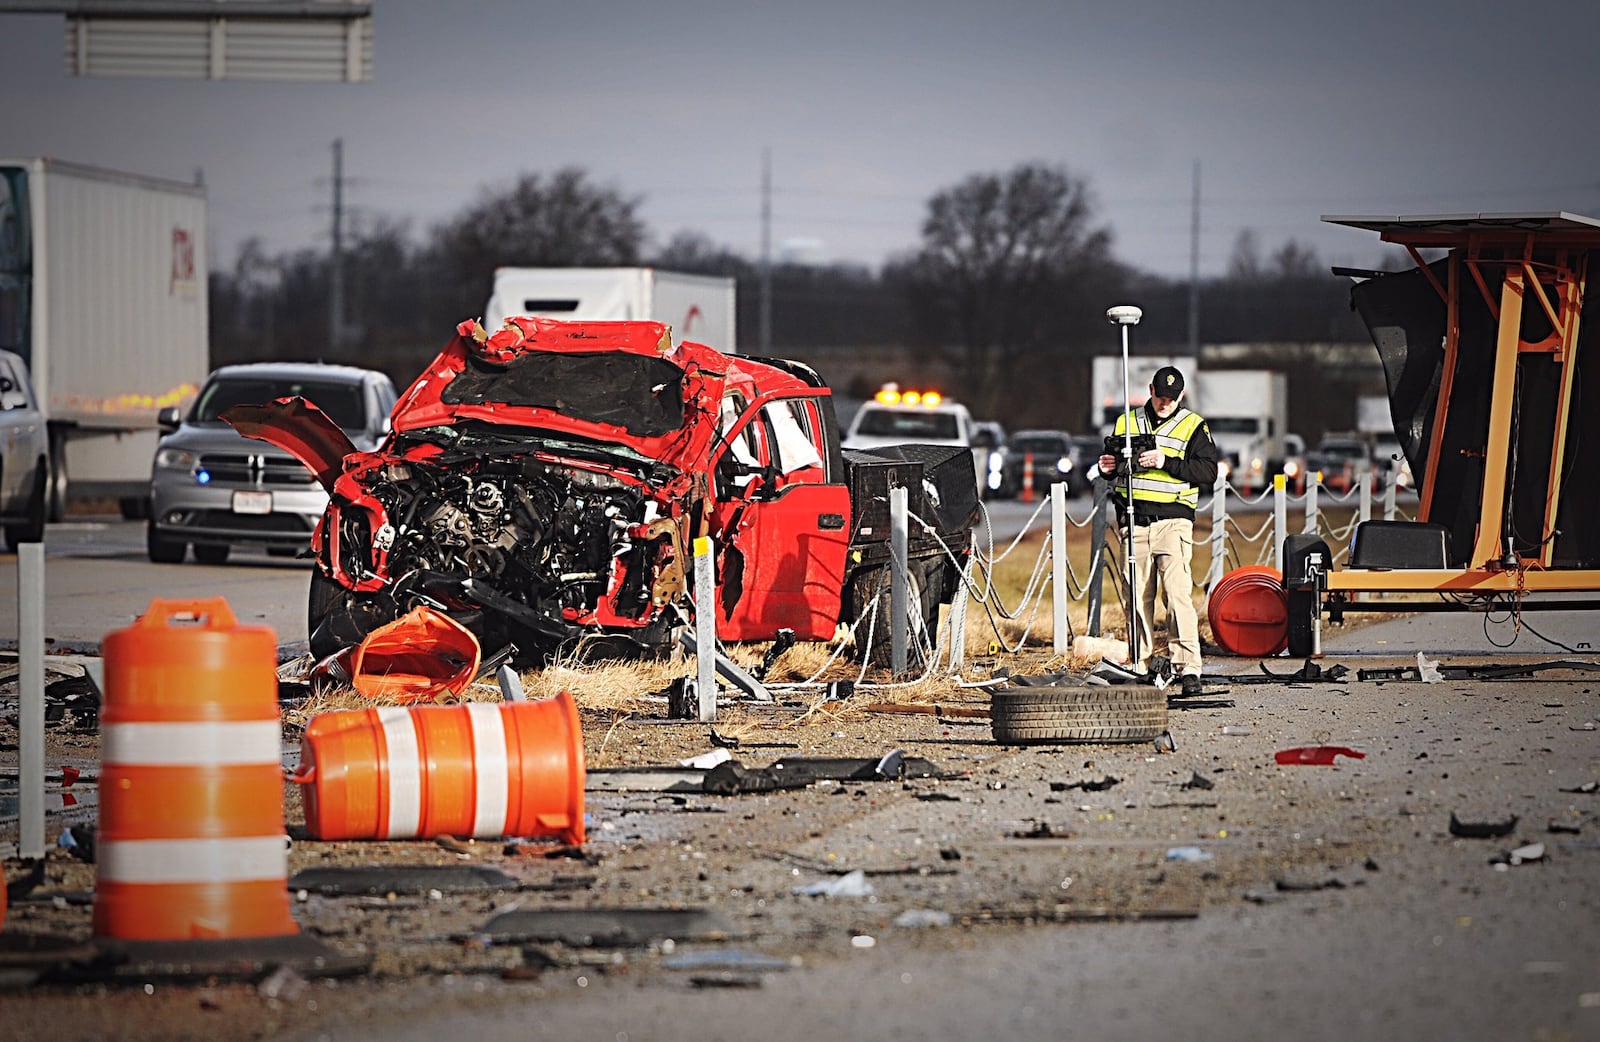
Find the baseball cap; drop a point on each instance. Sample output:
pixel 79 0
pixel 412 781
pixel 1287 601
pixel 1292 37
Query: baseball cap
pixel 1168 382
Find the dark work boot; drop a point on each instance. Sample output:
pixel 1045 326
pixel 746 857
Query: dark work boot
pixel 1190 685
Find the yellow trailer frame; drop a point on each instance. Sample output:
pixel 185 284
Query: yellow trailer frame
pixel 1540 261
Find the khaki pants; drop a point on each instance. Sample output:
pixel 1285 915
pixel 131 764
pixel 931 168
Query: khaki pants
pixel 1161 552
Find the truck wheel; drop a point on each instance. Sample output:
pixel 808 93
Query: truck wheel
pixel 211 553
pixel 1303 610
pixel 1131 713
pixel 31 529
pixel 162 550
pixel 323 597
pixel 56 501
pixel 922 613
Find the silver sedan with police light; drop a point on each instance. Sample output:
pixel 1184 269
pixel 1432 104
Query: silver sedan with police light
pixel 213 489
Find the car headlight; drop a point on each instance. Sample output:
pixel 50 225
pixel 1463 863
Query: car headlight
pixel 1291 469
pixel 176 459
pixel 997 462
pixel 1064 464
pixel 1256 464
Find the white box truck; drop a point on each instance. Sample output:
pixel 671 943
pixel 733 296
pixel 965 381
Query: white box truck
pixel 103 293
pixel 1248 411
pixel 1106 399
pixel 697 307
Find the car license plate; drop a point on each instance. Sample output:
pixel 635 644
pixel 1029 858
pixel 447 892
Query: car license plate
pixel 252 502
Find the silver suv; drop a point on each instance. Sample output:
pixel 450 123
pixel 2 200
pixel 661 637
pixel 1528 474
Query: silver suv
pixel 213 488
pixel 24 455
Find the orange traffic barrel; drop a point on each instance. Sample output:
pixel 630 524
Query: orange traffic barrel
pixel 191 841
pixel 478 769
pixel 1248 613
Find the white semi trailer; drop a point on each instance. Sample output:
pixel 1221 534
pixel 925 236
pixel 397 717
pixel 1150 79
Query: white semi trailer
pixel 1248 410
pixel 103 293
pixel 700 308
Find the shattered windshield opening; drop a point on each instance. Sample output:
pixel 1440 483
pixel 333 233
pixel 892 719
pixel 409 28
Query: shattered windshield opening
pixel 642 395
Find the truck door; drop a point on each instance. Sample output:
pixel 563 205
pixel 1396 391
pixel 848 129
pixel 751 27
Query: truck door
pixel 782 524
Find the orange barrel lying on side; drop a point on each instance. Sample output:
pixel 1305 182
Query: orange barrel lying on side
pixel 479 769
pixel 1248 612
pixel 191 843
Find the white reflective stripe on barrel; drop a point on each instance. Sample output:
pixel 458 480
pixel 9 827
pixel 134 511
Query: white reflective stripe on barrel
pixel 193 744
pixel 192 860
pixel 405 772
pixel 491 769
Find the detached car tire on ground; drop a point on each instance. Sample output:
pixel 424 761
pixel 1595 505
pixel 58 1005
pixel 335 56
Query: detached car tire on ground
pixel 545 485
pixel 1131 713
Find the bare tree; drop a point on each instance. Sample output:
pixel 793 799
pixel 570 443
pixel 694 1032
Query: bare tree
pixel 1244 264
pixel 1011 265
pixel 541 221
pixel 1294 261
pixel 695 252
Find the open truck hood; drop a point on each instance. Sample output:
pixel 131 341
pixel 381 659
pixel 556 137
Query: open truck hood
pixel 298 427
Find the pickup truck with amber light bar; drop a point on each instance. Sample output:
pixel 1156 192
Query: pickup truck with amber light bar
pixel 544 485
pixel 923 417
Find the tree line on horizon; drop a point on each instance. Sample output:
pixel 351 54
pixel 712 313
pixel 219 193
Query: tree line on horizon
pixel 1006 288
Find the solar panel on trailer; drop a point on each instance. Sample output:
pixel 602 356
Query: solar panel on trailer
pixel 1470 222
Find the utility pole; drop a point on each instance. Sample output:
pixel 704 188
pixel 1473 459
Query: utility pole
pixel 766 253
pixel 336 283
pixel 1194 267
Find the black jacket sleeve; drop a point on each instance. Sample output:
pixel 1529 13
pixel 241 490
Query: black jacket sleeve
pixel 1199 463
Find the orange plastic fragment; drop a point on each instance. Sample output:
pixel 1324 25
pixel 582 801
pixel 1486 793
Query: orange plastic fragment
pixel 418 657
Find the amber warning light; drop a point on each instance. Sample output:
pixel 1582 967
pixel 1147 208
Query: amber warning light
pixel 890 394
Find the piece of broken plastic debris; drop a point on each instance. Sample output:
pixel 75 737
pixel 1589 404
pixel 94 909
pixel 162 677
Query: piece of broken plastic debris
pixel 893 764
pixel 1481 829
pixel 1529 852
pixel 1199 781
pixel 1165 744
pixel 851 884
pixel 1428 670
pixel 708 760
pixel 1188 854
pixel 922 918
pixel 1236 729
pixel 726 959
pixel 1317 755
pixel 283 983
pixel 1585 789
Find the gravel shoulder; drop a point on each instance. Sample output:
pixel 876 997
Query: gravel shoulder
pixel 1330 901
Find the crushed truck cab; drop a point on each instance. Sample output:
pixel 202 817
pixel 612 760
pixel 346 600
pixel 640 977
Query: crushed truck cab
pixel 544 484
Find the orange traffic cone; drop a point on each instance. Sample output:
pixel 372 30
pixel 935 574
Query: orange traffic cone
pixel 478 769
pixel 191 842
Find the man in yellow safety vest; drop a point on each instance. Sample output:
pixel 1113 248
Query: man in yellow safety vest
pixel 1166 487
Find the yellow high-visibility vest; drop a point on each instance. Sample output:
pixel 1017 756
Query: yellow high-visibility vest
pixel 1172 438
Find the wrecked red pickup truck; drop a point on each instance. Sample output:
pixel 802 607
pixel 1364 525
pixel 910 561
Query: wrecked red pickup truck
pixel 544 484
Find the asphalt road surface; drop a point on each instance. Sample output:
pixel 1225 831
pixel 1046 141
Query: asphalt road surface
pixel 98 580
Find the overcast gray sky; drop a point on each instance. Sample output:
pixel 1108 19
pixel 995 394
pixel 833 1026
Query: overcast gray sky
pixel 868 107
